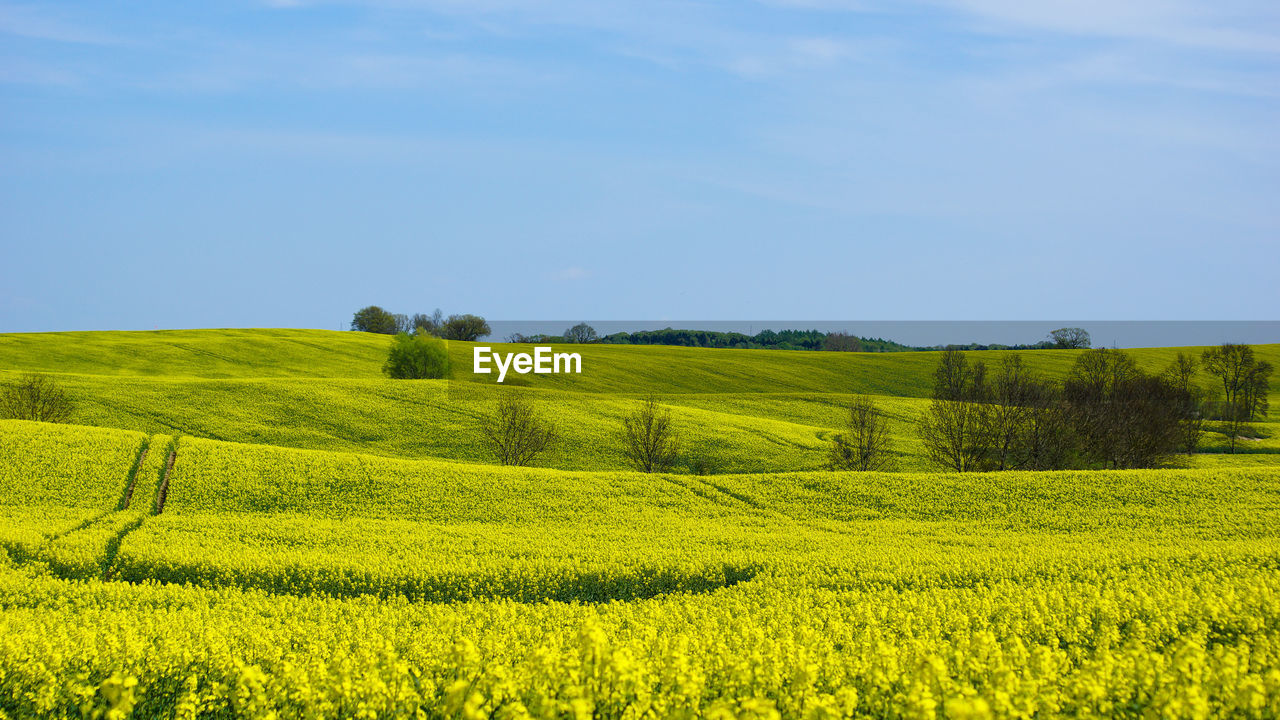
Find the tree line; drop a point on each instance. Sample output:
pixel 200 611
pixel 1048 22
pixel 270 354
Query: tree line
pixel 1107 413
pixel 468 327
pixel 838 341
pixel 465 327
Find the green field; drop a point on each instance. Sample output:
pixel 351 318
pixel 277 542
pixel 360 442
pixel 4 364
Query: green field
pixel 745 411
pixel 336 544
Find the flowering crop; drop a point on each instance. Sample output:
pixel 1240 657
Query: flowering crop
pixel 289 583
pixel 68 465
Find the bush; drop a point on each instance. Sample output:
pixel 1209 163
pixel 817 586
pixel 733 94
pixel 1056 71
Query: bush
pixel 514 432
pixel 649 442
pixel 864 446
pixel 417 357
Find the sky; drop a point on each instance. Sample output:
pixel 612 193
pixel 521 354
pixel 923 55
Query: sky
pixel 282 164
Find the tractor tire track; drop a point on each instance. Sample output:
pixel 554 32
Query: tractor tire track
pixel 163 493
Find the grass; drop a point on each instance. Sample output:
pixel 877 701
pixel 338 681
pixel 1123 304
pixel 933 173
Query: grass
pixel 743 410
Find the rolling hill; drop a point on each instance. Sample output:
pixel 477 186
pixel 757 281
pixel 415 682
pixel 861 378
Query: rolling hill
pixel 737 410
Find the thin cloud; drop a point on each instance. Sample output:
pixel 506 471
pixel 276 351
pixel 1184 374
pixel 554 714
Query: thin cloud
pixel 1239 26
pixel 37 23
pixel 573 273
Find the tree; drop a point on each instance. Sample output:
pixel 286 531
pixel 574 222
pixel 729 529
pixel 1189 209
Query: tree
pixel 514 432
pixel 864 446
pixel 842 342
pixel 375 320
pixel 1124 418
pixel 955 379
pixel 581 333
pixel 1181 374
pixel 417 357
pixel 1236 368
pixel 648 440
pixel 1253 402
pixel 955 434
pixel 467 328
pixel 956 430
pixel 1048 440
pixel 427 323
pixel 1013 394
pixel 35 397
pixel 1071 338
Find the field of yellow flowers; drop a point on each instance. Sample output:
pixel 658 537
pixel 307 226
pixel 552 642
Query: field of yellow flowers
pixel 283 583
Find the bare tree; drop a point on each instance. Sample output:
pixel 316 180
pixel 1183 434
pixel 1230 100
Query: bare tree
pixel 956 434
pixel 1181 374
pixel 1071 338
pixel 956 430
pixel 1013 393
pixel 1235 366
pixel 649 442
pixel 35 397
pixel 956 379
pixel 514 432
pixel 1048 440
pixel 432 323
pixel 1253 401
pixel 1124 417
pixel 864 446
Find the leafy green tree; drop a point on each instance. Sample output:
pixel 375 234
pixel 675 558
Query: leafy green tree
pixel 417 357
pixel 467 328
pixel 375 320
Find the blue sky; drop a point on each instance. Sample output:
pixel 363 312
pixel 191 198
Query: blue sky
pixel 284 163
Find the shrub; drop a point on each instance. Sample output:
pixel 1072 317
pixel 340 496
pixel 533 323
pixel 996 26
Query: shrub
pixel 864 446
pixel 649 442
pixel 514 432
pixel 417 357
pixel 35 397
